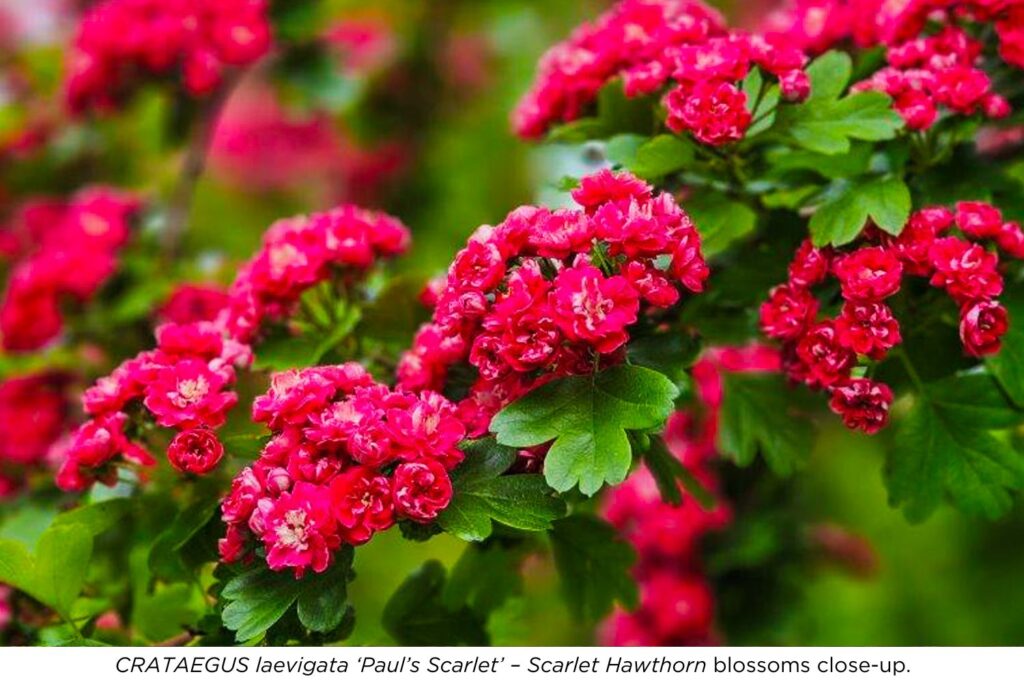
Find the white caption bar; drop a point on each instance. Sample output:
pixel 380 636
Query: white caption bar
pixel 387 665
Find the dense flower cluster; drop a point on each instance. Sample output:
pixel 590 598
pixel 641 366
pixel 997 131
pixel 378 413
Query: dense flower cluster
pixel 676 601
pixel 653 45
pixel 348 457
pixel 33 414
pixel 185 382
pixel 825 353
pixel 194 40
pixel 933 52
pixel 553 293
pixel 60 250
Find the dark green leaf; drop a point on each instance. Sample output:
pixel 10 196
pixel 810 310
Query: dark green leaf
pixel 720 219
pixel 594 565
pixel 760 412
pixel 256 600
pixel 323 601
pixel 483 493
pixel 587 416
pixel 669 473
pixel 484 578
pixel 944 448
pixel 1008 364
pixel 165 558
pixel 416 613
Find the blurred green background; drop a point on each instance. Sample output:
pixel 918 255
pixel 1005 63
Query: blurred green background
pixel 453 74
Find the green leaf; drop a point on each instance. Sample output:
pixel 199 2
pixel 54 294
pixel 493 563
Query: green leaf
pixel 886 201
pixel 594 565
pixel 256 600
pixel 721 220
pixel 416 613
pixel 1008 365
pixel 484 578
pixel 96 517
pixel 284 352
pixel 761 413
pixel 650 158
pixel 763 115
pixel 829 74
pixel 833 166
pixel 323 602
pixel 167 611
pixel 944 448
pixel 587 416
pixel 165 557
pixel 827 124
pixel 483 493
pixel 669 473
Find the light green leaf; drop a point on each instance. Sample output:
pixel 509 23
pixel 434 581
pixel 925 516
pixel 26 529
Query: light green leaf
pixel 587 417
pixel 886 201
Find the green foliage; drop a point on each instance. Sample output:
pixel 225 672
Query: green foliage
pixel 417 614
pixel 587 416
pixel 760 413
pixel 483 492
pixel 257 599
pixel 721 220
pixel 838 221
pixel 594 566
pixel 1008 365
pixel 650 158
pixel 669 474
pixel 485 577
pixel 827 124
pixel 946 447
pixel 55 572
pixel 615 113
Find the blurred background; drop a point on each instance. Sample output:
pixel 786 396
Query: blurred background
pixel 406 110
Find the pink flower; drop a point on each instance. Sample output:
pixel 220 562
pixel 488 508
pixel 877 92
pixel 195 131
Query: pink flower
pixel 606 186
pixel 193 303
pixel 863 404
pixel 195 451
pixel 869 274
pixel 592 308
pixel 827 361
pixel 868 328
pixel 978 219
pixel 189 394
pixel 788 312
pixel 714 112
pixel 299 530
pixel 982 326
pixel 965 269
pixel 95 444
pixel 361 501
pixel 809 266
pixel 293 398
pixel 420 489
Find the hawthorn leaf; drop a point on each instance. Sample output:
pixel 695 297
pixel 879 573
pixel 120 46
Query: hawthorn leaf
pixel 829 74
pixel 587 417
pixel 762 101
pixel 1008 365
pixel 484 578
pixel 416 613
pixel 256 600
pixel 165 557
pixel 323 602
pixel 760 413
pixel 721 220
pixel 944 449
pixel 669 474
pixel 840 220
pixel 484 493
pixel 594 565
pixel 95 517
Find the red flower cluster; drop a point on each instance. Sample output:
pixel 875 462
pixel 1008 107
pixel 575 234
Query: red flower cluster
pixel 654 44
pixel 62 250
pixel 33 413
pixel 824 353
pixel 119 39
pixel 676 602
pixel 185 383
pixel 928 68
pixel 348 457
pixel 552 293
